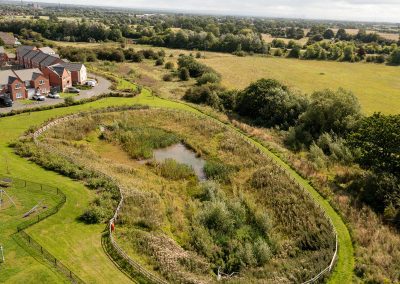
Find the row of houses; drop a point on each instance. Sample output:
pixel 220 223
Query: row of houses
pixel 43 70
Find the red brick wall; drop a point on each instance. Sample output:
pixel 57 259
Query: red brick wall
pixel 14 91
pixel 45 87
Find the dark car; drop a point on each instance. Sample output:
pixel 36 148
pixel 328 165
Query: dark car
pixel 6 101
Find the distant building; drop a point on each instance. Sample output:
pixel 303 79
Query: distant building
pixel 8 39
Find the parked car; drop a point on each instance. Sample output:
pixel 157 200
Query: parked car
pixel 6 101
pixel 91 83
pixel 38 97
pixel 73 90
pixel 54 95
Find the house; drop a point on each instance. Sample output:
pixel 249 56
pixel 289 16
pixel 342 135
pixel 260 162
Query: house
pixel 22 51
pixel 47 50
pixel 34 80
pixel 8 39
pixel 78 72
pixel 3 57
pixel 49 60
pixel 28 57
pixel 59 76
pixel 35 61
pixel 12 85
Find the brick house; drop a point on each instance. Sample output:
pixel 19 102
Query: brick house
pixel 28 57
pixel 35 61
pixel 3 57
pixel 59 76
pixel 22 51
pixel 12 85
pixel 78 72
pixel 48 61
pixel 34 80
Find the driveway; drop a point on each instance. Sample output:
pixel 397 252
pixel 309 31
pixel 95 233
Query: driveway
pixel 103 86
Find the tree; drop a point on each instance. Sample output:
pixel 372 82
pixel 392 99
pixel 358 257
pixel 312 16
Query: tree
pixel 270 103
pixel 394 57
pixel 184 74
pixel 328 112
pixel 342 35
pixel 328 34
pixel 377 140
pixel 294 52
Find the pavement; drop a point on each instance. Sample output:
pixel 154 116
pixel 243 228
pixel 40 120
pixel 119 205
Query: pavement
pixel 103 86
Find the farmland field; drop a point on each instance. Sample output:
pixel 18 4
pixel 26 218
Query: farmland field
pixel 376 86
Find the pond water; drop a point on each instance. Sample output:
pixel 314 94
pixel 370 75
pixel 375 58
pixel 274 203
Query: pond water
pixel 181 154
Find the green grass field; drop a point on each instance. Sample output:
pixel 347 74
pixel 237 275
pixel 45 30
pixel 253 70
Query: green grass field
pixel 377 86
pixel 78 245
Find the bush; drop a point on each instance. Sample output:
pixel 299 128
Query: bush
pixel 184 74
pixel 208 78
pixel 168 77
pixel 159 62
pixel 91 216
pixel 69 101
pixel 169 65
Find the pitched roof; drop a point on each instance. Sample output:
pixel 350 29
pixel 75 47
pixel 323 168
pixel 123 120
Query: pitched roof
pixel 50 60
pixel 31 54
pixel 7 77
pixel 28 74
pixel 47 50
pixel 8 38
pixel 58 69
pixel 72 66
pixel 24 49
pixel 39 58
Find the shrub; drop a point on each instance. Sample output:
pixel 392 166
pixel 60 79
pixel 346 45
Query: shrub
pixel 159 62
pixel 208 78
pixel 168 77
pixel 91 216
pixel 184 74
pixel 69 101
pixel 169 65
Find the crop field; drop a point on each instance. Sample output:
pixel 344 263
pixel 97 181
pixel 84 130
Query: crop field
pixel 376 86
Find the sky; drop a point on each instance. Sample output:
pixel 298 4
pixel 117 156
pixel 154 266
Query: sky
pixel 356 10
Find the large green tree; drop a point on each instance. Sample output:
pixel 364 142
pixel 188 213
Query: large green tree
pixel 377 139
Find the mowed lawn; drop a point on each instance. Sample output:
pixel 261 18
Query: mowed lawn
pixel 377 86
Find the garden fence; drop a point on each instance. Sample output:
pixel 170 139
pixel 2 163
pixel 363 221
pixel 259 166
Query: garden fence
pixel 29 185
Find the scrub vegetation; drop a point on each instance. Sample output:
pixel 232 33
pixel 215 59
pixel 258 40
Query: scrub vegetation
pixel 248 218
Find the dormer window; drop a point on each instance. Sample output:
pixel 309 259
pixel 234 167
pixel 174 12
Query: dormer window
pixel 17 86
pixel 41 82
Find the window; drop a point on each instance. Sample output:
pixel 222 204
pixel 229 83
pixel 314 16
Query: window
pixel 41 82
pixel 17 86
pixel 19 96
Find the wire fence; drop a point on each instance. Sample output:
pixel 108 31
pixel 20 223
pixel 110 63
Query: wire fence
pixel 154 279
pixel 61 199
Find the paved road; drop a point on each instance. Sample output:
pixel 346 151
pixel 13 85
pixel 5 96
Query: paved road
pixel 103 86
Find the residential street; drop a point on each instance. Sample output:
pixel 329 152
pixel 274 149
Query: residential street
pixel 103 86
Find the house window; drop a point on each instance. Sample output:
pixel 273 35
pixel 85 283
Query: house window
pixel 19 96
pixel 41 82
pixel 17 86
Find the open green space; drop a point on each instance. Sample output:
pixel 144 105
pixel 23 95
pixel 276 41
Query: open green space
pixel 81 243
pixel 376 86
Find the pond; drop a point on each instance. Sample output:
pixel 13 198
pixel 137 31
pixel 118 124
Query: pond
pixel 181 154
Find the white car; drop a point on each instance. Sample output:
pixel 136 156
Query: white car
pixel 38 97
pixel 91 83
pixel 54 95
